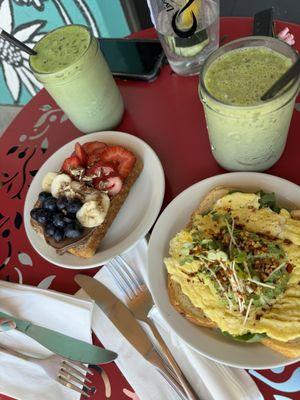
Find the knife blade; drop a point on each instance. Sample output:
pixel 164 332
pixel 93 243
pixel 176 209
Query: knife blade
pixel 63 345
pixel 128 326
pixel 117 312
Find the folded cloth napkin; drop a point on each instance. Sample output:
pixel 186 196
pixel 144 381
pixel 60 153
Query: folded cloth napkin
pixel 66 314
pixel 210 380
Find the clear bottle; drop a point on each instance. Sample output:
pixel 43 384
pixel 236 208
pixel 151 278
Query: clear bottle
pixel 188 31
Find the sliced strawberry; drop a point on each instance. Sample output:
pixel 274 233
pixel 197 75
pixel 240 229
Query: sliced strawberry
pixel 90 147
pixel 93 158
pixel 100 184
pixel 108 169
pixel 70 163
pixel 81 154
pixel 122 158
pixel 101 169
pixel 114 185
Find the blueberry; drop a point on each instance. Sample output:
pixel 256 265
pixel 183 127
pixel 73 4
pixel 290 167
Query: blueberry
pixel 44 217
pixel 73 231
pixel 61 203
pixel 40 215
pixel 58 220
pixel 50 204
pixel 69 218
pixel 34 213
pixel 43 196
pixel 58 235
pixel 73 206
pixel 50 229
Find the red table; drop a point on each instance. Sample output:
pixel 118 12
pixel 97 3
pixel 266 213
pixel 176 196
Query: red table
pixel 168 115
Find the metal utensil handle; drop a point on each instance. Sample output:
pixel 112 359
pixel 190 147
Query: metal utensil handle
pixel 155 359
pixel 172 383
pixel 190 393
pixel 13 353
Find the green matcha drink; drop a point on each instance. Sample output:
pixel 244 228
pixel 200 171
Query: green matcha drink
pixel 72 68
pixel 246 133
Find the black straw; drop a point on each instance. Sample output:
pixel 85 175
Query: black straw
pixel 289 75
pixel 16 42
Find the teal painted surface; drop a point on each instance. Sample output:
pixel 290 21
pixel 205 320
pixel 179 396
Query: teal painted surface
pixel 113 22
pixel 31 19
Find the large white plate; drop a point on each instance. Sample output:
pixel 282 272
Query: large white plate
pixel 136 216
pixel 175 217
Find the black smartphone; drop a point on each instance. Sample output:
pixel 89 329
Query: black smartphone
pixel 133 58
pixel 264 24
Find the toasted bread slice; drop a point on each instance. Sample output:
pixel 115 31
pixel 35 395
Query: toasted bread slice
pixel 184 306
pixel 288 349
pixel 209 200
pixel 196 315
pixel 88 247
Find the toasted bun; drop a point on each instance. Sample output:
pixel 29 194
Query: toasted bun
pixel 195 314
pixel 88 248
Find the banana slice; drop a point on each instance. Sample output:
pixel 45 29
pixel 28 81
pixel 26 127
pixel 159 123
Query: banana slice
pixel 61 186
pixel 47 181
pixel 77 186
pixel 93 212
pixel 92 194
pixel 84 192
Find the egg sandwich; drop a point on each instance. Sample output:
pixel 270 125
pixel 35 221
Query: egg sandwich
pixel 236 268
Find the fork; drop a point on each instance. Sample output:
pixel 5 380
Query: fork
pixel 66 372
pixel 140 303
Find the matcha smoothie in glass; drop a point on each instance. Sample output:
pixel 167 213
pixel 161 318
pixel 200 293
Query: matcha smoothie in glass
pixel 71 67
pixel 246 133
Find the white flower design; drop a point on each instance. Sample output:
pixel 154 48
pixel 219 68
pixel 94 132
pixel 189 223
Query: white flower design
pixel 39 4
pixel 13 61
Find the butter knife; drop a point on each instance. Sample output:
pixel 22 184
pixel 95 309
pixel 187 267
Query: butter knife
pixel 63 345
pixel 127 325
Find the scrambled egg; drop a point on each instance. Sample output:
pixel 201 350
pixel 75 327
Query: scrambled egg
pixel 281 319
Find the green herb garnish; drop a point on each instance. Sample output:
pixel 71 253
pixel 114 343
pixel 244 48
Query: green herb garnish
pixel 215 216
pixel 248 337
pixel 275 251
pixel 268 200
pixel 240 257
pixel 211 244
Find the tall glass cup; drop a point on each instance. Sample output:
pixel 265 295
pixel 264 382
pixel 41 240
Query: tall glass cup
pixel 70 65
pixel 249 137
pixel 188 31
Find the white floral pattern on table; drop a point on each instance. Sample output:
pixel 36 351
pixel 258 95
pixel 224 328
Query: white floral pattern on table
pixel 14 61
pixel 39 4
pixel 39 17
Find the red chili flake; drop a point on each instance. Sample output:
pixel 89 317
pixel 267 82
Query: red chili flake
pixel 289 267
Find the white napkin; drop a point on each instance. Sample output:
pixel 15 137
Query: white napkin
pixel 66 314
pixel 210 380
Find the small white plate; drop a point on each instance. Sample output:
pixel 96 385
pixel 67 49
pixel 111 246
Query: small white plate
pixel 136 216
pixel 208 342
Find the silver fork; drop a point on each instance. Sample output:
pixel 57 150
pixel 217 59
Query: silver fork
pixel 68 373
pixel 140 303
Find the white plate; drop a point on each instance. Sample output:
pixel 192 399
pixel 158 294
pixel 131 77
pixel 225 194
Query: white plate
pixel 136 216
pixel 174 218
